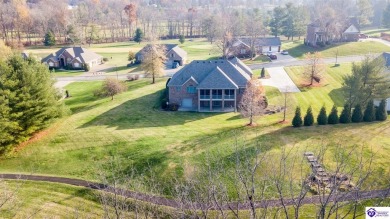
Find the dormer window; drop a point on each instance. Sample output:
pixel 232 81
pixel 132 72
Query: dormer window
pixel 191 89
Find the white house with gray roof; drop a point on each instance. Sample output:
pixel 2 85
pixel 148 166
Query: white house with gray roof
pixel 209 86
pixel 241 47
pixel 72 57
pixel 172 51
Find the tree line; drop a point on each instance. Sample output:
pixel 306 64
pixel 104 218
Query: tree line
pixel 95 21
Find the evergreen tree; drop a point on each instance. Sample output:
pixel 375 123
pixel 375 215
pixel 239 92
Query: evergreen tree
pixel 50 39
pixel 309 118
pixel 139 35
pixel 333 116
pixel 297 120
pixel 322 118
pixel 262 74
pixel 345 116
pixel 357 115
pixel 386 16
pixel 182 39
pixel 28 100
pixel 381 113
pixel 369 112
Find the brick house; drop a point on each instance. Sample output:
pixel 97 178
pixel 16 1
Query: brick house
pixel 72 57
pixel 241 46
pixel 173 53
pixel 321 32
pixel 209 86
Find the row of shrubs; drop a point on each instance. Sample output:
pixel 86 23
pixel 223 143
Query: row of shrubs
pixel 371 113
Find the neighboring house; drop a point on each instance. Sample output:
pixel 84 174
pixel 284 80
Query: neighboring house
pixel 173 53
pixel 209 86
pixel 322 32
pixel 73 57
pixel 386 57
pixel 241 47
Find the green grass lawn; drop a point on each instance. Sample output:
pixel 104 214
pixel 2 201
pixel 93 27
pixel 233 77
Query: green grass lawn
pixel 46 200
pixel 297 49
pixel 376 32
pixel 171 144
pixel 259 59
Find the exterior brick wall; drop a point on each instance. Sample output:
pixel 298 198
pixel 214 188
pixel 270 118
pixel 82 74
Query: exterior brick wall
pixel 176 96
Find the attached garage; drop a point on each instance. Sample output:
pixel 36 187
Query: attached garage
pixel 186 103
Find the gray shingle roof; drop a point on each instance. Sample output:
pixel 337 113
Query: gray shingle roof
pixel 83 54
pixel 266 41
pixel 217 79
pixel 218 70
pixel 168 48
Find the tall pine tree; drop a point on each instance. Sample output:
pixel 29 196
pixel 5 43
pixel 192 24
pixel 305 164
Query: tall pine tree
pixel 322 118
pixel 369 112
pixel 309 118
pixel 357 115
pixel 28 100
pixel 333 116
pixel 50 39
pixel 381 113
pixel 297 120
pixel 139 35
pixel 345 116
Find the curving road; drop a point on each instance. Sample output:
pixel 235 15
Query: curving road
pixel 157 200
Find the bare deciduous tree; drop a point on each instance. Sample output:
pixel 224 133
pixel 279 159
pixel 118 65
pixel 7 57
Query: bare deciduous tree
pixel 110 88
pixel 252 102
pixel 153 58
pixel 315 67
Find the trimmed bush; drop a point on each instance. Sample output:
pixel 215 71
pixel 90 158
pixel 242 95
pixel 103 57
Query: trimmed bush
pixel 322 118
pixel 345 116
pixel 381 113
pixel 333 116
pixel 86 67
pixel 173 106
pixel 297 120
pixel 105 59
pixel 262 74
pixel 309 118
pixel 357 115
pixel 369 113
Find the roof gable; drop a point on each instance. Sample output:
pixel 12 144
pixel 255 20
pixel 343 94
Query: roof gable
pixel 217 79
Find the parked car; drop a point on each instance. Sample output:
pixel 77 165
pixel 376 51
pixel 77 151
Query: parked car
pixel 284 52
pixel 175 65
pixel 273 57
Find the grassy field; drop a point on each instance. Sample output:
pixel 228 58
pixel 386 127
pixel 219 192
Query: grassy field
pixel 173 143
pixel 297 49
pixel 46 200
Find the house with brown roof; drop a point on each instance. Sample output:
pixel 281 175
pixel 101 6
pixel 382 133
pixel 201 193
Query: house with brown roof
pixel 72 57
pixel 241 47
pixel 209 86
pixel 173 53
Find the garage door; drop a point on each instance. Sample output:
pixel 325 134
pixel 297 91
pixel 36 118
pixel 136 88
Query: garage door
pixel 187 103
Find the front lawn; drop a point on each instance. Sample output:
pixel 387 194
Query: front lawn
pixel 258 60
pixel 297 49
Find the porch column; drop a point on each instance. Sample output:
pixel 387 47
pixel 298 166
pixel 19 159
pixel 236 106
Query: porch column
pixel 223 100
pixel 235 100
pixel 198 100
pixel 211 100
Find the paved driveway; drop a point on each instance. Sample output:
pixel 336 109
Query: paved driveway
pixel 280 79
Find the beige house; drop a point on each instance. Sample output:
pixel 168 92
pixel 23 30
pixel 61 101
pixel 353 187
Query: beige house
pixel 72 57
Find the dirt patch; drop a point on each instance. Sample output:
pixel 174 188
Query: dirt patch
pixel 36 137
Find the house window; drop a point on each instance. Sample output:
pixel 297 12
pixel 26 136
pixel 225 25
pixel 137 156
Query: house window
pixel 204 94
pixel 178 89
pixel 229 94
pixel 191 89
pixel 243 51
pixel 172 55
pixel 217 94
pixel 51 64
pixel 76 65
pixel 68 60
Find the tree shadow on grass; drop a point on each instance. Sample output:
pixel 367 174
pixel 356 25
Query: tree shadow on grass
pixel 140 113
pixel 337 97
